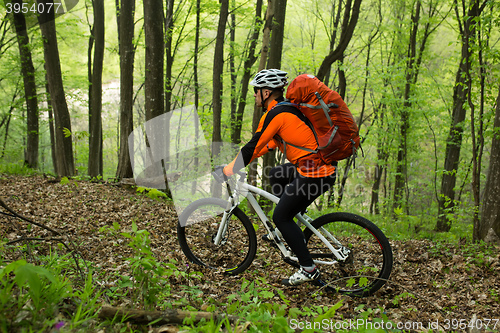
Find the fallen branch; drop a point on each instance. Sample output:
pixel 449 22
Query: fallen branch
pixel 58 237
pixel 169 316
pixel 19 216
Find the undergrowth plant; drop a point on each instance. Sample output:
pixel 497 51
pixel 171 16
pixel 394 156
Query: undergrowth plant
pixel 41 298
pixel 149 282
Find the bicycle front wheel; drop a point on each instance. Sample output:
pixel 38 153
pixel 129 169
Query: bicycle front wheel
pixel 198 226
pixel 369 256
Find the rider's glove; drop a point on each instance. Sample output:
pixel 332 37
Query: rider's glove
pixel 218 174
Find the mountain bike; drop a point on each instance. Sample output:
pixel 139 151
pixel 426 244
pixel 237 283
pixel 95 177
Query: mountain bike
pixel 353 254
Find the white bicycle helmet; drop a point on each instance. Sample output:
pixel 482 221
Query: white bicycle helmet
pixel 270 78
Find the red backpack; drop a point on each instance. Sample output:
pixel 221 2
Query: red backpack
pixel 333 124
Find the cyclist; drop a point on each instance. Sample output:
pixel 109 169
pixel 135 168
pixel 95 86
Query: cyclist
pixel 297 183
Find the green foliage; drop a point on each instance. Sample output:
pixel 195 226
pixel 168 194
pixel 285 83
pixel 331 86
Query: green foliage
pixel 33 296
pixel 152 193
pixel 16 168
pixel 148 275
pixel 64 181
pixel 149 281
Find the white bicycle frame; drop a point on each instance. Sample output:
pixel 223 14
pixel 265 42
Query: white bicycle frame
pixel 248 191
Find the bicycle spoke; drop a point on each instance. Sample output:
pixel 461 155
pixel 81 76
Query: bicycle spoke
pixel 236 248
pixel 369 259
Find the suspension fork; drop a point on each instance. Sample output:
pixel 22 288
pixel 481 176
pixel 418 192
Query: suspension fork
pixel 221 232
pixel 226 216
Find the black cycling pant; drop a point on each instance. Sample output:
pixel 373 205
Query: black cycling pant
pixel 296 193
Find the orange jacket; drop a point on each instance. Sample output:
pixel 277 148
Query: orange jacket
pixel 282 123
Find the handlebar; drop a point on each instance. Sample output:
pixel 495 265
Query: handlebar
pixel 220 177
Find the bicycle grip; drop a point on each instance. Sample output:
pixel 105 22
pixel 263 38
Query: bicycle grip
pixel 219 175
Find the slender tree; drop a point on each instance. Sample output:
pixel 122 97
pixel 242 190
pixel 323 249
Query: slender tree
pixel 154 83
pixel 6 120
pixel 350 20
pixel 483 36
pixel 467 27
pixel 169 52
pixel 274 61
pixel 217 87
pixel 251 58
pixel 30 94
pixel 257 113
pixel 278 29
pixel 125 18
pixel 332 32
pixel 415 51
pixel 95 163
pixel 196 55
pixel 62 128
pixel 218 67
pixel 52 132
pixel 401 167
pixel 232 57
pixel 489 228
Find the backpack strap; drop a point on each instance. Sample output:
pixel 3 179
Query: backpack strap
pixel 329 105
pixel 324 107
pixel 306 120
pixel 308 123
pixel 288 104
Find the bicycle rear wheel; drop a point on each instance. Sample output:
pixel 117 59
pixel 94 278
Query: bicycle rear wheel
pixel 369 262
pixel 196 231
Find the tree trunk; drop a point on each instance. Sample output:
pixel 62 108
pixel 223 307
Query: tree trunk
pixel 278 29
pixel 478 138
pixel 196 88
pixel 127 53
pixel 28 73
pixel 350 161
pixel 257 112
pixel 374 204
pixel 401 180
pixel 6 121
pixel 218 67
pixel 232 68
pixel 489 228
pixel 153 32
pixel 274 61
pixel 454 142
pixel 195 61
pixel 169 27
pixel 51 127
pixel 64 146
pixel 247 67
pixel 217 88
pixel 348 25
pixel 95 163
pixel 333 37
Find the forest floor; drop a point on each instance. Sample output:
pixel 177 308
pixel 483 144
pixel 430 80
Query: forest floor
pixel 430 281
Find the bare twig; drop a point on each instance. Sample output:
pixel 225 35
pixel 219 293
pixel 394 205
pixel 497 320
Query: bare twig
pixel 60 238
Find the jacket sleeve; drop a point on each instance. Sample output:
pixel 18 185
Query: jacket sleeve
pixel 261 143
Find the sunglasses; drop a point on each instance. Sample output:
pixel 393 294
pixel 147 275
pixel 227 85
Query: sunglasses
pixel 255 89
